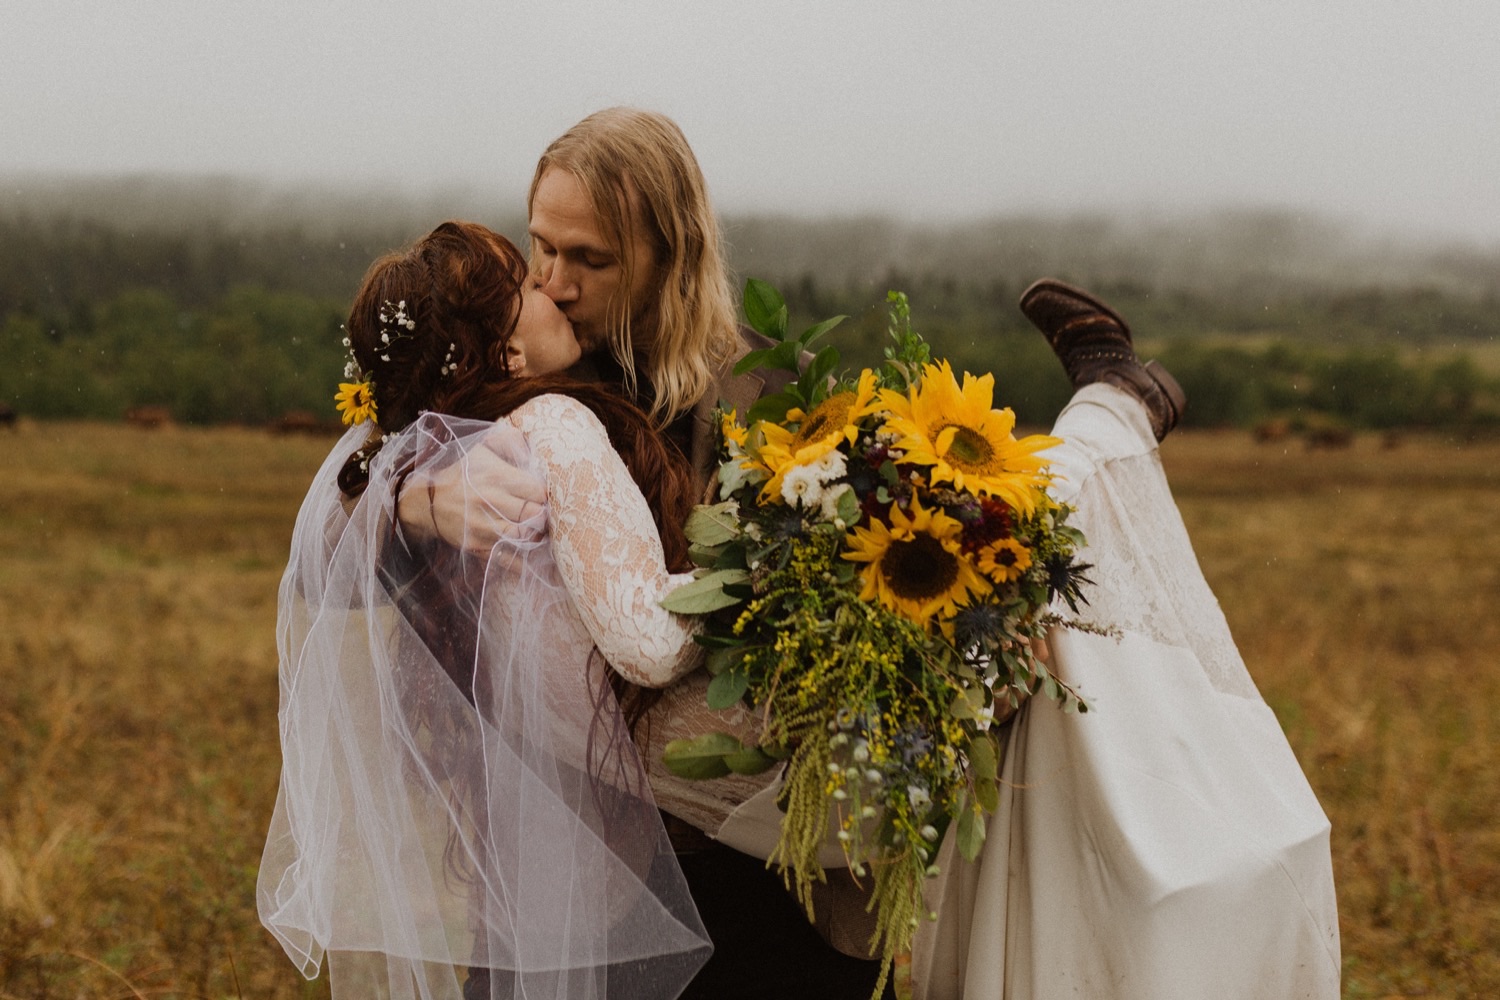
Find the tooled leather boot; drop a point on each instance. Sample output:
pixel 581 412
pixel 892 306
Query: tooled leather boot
pixel 1093 343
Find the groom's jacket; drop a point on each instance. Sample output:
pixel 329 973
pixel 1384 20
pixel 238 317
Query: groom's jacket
pixel 731 392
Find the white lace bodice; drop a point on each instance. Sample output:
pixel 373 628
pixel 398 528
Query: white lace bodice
pixel 605 544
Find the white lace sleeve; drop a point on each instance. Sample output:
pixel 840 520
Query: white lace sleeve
pixel 606 545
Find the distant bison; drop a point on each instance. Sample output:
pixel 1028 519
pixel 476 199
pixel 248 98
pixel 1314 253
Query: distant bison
pixel 7 415
pixel 149 417
pixel 1275 429
pixel 1329 437
pixel 304 422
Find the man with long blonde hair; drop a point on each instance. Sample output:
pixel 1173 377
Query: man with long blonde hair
pixel 625 241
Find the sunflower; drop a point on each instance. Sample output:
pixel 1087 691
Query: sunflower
pixel 915 566
pixel 956 430
pixel 1004 560
pixel 831 422
pixel 355 401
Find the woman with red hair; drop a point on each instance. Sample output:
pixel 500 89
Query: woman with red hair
pixel 462 812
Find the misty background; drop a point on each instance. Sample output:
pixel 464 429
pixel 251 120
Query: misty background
pixel 1286 199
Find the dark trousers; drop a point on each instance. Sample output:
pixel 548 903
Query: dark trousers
pixel 764 945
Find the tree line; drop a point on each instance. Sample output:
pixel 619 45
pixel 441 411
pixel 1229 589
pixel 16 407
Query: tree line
pixel 230 319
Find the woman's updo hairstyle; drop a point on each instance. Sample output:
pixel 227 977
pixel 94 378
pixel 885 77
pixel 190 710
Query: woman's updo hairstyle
pixel 459 290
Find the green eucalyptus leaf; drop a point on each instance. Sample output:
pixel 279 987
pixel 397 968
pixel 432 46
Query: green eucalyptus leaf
pixel 751 361
pixel 983 766
pixel 733 475
pixel 773 407
pixel 705 556
pixel 701 758
pixel 820 368
pixel 726 690
pixel 785 356
pixel 848 507
pixel 713 525
pixel 709 641
pixel 812 333
pixel 765 309
pixel 969 702
pixel 724 659
pixel 970 833
pixel 1050 688
pixel 740 591
pixel 731 557
pixel 705 594
pixel 750 760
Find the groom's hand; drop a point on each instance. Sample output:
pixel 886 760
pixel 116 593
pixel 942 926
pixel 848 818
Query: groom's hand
pixel 475 503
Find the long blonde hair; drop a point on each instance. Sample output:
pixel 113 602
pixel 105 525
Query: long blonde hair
pixel 638 169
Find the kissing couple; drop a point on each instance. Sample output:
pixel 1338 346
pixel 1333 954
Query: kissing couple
pixel 478 679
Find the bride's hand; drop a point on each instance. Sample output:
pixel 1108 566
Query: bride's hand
pixel 476 503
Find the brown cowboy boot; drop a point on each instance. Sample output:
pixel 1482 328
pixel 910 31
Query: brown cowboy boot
pixel 1093 343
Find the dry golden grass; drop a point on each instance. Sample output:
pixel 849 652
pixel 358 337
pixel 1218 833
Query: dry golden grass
pixel 138 754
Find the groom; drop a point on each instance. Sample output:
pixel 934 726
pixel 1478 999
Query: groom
pixel 625 241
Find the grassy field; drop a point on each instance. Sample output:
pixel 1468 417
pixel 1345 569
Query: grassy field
pixel 138 754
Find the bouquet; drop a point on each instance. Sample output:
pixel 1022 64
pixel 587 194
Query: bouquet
pixel 882 556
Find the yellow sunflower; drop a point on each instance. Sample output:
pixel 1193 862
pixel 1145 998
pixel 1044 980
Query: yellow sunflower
pixel 355 402
pixel 915 566
pixel 832 421
pixel 1004 560
pixel 956 430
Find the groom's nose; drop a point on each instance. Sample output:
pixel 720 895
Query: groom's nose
pixel 558 282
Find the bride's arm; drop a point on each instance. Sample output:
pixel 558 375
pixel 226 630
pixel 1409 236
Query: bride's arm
pixel 606 546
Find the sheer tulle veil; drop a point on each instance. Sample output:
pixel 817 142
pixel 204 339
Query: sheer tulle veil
pixel 458 788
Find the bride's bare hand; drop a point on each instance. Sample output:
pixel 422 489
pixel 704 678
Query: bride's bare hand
pixel 1040 649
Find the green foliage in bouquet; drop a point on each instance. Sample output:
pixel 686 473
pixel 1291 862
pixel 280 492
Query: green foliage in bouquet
pixel 882 557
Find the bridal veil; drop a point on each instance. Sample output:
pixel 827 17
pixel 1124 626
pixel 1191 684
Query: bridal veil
pixel 458 790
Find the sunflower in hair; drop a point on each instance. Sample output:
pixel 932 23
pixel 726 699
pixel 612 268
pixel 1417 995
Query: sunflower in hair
pixel 956 430
pixel 355 402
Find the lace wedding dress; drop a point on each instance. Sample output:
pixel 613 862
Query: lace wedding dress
pixel 1165 845
pixel 458 788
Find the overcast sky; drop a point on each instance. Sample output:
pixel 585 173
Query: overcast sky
pixel 1385 113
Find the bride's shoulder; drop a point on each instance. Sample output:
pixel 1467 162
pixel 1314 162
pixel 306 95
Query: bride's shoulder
pixel 556 412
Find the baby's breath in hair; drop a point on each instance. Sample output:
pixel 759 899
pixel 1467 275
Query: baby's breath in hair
pixel 355 399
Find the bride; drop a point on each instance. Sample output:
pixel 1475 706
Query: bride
pixel 1165 846
pixel 462 812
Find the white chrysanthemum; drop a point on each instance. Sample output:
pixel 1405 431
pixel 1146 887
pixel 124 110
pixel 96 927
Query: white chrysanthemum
pixel 831 466
pixel 830 502
pixel 801 484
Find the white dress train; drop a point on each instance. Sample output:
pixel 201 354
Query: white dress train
pixel 1166 844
